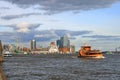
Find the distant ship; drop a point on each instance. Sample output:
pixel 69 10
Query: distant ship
pixel 86 51
pixel 7 53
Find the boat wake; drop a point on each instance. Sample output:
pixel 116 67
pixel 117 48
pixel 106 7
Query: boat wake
pixel 99 57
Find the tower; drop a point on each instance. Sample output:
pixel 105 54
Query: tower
pixel 33 44
pixel 64 44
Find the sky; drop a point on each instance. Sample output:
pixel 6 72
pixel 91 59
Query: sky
pixel 90 22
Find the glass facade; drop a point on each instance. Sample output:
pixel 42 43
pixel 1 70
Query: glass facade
pixel 63 42
pixel 33 44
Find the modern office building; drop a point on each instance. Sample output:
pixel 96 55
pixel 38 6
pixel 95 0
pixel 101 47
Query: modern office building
pixel 33 44
pixel 64 44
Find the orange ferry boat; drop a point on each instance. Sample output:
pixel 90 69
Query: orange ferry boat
pixel 86 51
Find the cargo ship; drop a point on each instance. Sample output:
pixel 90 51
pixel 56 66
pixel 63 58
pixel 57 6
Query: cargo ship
pixel 86 51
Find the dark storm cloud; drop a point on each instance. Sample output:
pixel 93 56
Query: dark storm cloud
pixel 103 37
pixel 56 6
pixel 10 17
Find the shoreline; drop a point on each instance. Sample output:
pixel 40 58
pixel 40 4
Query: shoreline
pixel 2 75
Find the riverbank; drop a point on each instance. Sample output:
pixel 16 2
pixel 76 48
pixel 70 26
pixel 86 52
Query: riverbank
pixel 1 58
pixel 2 75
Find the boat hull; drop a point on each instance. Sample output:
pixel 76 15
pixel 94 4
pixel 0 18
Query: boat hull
pixel 91 56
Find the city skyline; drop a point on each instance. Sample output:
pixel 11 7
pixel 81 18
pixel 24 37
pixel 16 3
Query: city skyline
pixel 94 22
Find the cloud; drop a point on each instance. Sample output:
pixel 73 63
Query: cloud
pixel 10 17
pixel 52 35
pixel 39 35
pixel 57 6
pixel 103 37
pixel 71 33
pixel 30 33
pixel 47 35
pixel 6 33
pixel 22 27
pixel 4 8
pixel 25 27
pixel 6 36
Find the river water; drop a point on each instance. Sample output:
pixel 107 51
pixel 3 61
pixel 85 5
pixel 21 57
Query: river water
pixel 61 67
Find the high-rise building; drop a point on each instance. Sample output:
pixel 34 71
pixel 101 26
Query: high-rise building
pixel 59 43
pixel 64 44
pixel 33 44
pixel 65 41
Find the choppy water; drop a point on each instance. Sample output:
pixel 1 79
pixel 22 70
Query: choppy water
pixel 61 67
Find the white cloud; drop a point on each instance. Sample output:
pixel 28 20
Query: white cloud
pixel 23 27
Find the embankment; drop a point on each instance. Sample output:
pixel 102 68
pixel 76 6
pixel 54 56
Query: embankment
pixel 2 75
